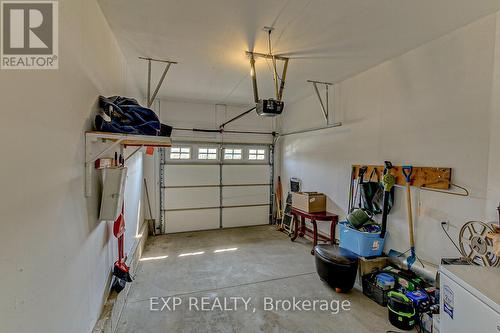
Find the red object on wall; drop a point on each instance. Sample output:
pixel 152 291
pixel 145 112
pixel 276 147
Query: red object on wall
pixel 121 269
pixel 119 226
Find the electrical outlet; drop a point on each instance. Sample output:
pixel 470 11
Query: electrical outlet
pixel 446 225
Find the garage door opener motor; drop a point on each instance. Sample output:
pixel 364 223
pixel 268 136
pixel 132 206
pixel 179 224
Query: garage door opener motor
pixel 269 107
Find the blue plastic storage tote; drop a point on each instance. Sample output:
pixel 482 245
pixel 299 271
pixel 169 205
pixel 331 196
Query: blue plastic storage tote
pixel 364 244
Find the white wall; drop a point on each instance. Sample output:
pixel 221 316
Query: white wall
pixel 428 107
pixel 133 204
pixel 494 155
pixel 55 257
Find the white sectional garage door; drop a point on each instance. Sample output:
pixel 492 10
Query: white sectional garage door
pixel 245 195
pixel 210 186
pixel 191 197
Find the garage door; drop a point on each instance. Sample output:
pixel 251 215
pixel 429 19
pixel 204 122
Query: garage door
pixel 210 186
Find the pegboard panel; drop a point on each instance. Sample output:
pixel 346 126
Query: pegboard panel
pixel 430 177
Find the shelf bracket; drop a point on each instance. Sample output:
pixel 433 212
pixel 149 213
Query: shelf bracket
pixel 326 110
pixel 90 160
pixel 113 141
pixel 133 153
pixel 151 98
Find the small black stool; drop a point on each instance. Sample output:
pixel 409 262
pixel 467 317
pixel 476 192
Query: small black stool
pixel 336 266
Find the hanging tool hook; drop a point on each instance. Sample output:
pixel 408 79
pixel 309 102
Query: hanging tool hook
pixel 388 166
pixel 362 172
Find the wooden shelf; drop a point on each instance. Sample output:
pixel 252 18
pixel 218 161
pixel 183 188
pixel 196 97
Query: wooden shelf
pixel 99 144
pixel 428 177
pixel 132 140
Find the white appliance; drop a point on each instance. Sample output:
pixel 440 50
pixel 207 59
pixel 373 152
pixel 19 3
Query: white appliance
pixel 470 299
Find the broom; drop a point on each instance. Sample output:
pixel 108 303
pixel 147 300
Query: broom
pixel 151 221
pixel 120 269
pixel 279 203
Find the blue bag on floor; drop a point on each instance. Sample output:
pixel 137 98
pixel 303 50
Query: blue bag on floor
pixel 125 115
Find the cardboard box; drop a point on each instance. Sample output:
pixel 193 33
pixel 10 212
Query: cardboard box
pixel 367 266
pixel 309 202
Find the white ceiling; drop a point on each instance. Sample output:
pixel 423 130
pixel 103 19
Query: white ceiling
pixel 327 40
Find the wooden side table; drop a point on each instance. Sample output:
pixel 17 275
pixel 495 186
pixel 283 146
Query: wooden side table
pixel 301 230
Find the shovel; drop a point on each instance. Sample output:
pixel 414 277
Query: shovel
pixel 407 171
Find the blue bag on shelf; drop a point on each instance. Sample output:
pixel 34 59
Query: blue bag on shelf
pixel 125 115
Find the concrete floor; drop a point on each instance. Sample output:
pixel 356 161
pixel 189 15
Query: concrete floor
pixel 258 262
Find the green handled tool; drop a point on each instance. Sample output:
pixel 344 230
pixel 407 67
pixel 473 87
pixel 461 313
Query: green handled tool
pixel 389 180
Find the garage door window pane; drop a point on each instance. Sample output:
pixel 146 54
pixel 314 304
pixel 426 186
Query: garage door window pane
pixel 232 154
pixel 180 153
pixel 207 153
pixel 256 154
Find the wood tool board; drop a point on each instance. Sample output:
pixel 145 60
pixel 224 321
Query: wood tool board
pixel 429 177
